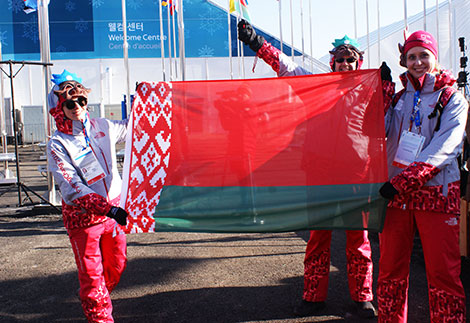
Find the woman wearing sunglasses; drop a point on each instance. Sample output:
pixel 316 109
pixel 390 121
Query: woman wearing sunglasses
pixel 423 190
pixel 345 56
pixel 82 159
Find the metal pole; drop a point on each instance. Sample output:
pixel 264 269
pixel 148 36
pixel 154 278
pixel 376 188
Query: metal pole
pixel 424 15
pixel 451 41
pixel 368 35
pixel 406 14
pixel 13 116
pixel 181 39
pixel 229 40
pixel 311 34
pixel 242 49
pixel 126 53
pixel 378 31
pixel 169 42
pixel 162 44
pixel 43 21
pixel 437 26
pixel 292 30
pixel 280 25
pixel 355 20
pixel 174 40
pixel 3 132
pixel 302 31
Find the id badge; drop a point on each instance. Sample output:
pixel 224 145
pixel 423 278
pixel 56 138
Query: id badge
pixel 409 147
pixel 89 166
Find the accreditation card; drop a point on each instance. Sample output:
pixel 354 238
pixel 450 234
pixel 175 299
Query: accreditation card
pixel 89 166
pixel 409 147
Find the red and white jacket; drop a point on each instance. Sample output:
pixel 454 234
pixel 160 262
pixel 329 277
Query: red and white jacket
pixel 84 205
pixel 431 183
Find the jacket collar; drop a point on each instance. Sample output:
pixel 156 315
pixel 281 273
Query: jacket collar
pixel 430 82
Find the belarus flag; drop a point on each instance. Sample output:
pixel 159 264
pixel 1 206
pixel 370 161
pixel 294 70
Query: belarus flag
pixel 259 155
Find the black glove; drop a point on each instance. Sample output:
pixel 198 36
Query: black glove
pixel 385 72
pixel 118 214
pixel 388 191
pixel 247 34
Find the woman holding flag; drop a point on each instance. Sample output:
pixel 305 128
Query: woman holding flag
pixel 345 56
pixel 82 159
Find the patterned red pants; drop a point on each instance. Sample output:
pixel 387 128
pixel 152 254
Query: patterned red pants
pixel 317 266
pixel 439 234
pixel 101 259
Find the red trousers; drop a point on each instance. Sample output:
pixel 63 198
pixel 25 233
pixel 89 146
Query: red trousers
pixel 317 266
pixel 439 234
pixel 101 259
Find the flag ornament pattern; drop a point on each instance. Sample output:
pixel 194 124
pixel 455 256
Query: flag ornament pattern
pixel 241 7
pixel 260 155
pixel 149 158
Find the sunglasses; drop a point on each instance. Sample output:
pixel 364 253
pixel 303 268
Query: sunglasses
pixel 350 60
pixel 71 104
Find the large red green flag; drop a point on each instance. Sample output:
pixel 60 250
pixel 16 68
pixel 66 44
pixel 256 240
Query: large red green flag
pixel 259 155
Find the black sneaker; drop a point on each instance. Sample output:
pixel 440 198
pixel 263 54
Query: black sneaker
pixel 365 309
pixel 305 308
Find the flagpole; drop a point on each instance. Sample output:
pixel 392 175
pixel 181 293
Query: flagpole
pixel 126 53
pixel 162 43
pixel 242 50
pixel 280 24
pixel 437 25
pixel 424 15
pixel 451 41
pixel 368 34
pixel 174 39
pixel 378 31
pixel 292 29
pixel 45 49
pixel 169 41
pixel 3 133
pixel 406 14
pixel 181 39
pixel 355 20
pixel 311 34
pixel 238 51
pixel 229 40
pixel 302 30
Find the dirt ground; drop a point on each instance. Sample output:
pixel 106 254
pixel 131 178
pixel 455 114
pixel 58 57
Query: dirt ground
pixel 173 277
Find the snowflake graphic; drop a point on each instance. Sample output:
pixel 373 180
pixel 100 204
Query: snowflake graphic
pixel 134 4
pixel 60 50
pixel 30 30
pixel 70 6
pixel 3 38
pixel 81 25
pixel 16 5
pixel 96 3
pixel 209 22
pixel 206 51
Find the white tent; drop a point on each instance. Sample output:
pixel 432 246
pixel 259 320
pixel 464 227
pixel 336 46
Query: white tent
pixel 447 27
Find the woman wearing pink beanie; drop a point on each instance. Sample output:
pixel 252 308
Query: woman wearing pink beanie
pixel 422 145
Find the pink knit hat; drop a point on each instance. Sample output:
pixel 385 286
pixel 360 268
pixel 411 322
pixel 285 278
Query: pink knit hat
pixel 421 38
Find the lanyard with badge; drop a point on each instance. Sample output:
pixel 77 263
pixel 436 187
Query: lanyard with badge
pixel 410 144
pixel 87 162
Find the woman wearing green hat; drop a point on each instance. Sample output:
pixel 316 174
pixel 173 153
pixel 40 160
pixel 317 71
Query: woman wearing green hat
pixel 345 56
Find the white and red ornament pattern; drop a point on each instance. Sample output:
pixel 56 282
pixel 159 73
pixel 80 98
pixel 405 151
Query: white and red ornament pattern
pixel 147 154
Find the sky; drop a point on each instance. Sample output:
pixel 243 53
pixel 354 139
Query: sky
pixel 330 19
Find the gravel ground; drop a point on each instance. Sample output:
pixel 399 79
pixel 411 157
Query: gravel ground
pixel 174 277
